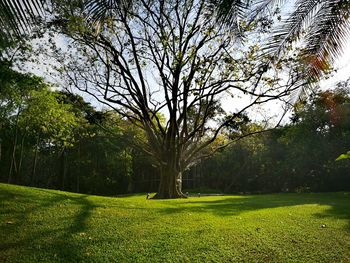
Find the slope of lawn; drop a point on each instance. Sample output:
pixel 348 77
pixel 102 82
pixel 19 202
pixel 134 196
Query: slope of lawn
pixel 38 225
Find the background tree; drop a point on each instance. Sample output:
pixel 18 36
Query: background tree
pixel 15 90
pixel 52 124
pixel 297 157
pixel 62 142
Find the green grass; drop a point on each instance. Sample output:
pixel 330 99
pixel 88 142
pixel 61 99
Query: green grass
pixel 38 225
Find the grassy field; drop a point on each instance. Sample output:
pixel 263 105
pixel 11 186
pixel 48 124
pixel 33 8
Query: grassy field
pixel 38 225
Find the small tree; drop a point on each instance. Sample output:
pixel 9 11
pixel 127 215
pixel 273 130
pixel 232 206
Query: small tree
pixel 168 58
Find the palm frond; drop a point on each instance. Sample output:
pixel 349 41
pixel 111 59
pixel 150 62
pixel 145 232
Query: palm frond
pixel 263 7
pixel 323 26
pixel 99 10
pixel 229 13
pixel 327 35
pixel 17 16
pixel 292 28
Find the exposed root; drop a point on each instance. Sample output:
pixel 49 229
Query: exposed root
pixel 168 196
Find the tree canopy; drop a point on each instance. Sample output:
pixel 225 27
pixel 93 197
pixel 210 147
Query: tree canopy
pixel 169 58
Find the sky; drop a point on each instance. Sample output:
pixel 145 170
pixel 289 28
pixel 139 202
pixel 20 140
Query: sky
pixel 342 73
pixel 342 69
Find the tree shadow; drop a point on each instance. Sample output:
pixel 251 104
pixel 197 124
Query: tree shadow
pixel 59 239
pixel 66 237
pixel 339 204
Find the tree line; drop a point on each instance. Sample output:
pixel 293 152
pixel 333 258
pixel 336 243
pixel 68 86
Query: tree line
pixel 54 139
pixel 57 140
pixel 297 157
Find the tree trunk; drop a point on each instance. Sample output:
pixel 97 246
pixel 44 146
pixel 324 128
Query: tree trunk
pixel 13 165
pixel 48 181
pixel 78 167
pixel 35 160
pixel 63 171
pixel 234 179
pixel 170 185
pixel 20 161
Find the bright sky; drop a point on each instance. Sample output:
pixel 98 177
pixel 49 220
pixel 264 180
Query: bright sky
pixel 342 69
pixel 342 66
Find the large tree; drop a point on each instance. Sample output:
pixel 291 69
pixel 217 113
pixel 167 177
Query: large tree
pixel 168 59
pixel 151 57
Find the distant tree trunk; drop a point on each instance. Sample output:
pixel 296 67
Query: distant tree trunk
pixel 35 160
pixel 0 156
pixel 13 156
pixel 78 170
pixel 63 158
pixel 48 182
pixel 20 160
pixel 13 161
pixel 78 182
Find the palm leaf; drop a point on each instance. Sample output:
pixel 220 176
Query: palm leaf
pixel 229 13
pixel 263 7
pixel 328 34
pixel 291 29
pixel 99 10
pixel 323 26
pixel 17 16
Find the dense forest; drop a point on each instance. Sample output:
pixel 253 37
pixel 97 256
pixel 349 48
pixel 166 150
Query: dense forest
pixel 54 139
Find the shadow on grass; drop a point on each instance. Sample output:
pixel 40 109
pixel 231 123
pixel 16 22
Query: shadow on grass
pixel 26 228
pixel 339 204
pixel 65 237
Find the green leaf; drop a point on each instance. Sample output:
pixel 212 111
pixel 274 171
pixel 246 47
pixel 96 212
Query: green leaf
pixel 343 156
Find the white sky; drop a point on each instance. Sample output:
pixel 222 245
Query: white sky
pixel 342 69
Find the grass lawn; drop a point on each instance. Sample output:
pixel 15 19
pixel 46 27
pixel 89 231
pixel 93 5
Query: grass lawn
pixel 38 225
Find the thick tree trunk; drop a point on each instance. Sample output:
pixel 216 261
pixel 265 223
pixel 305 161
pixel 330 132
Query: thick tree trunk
pixel 170 185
